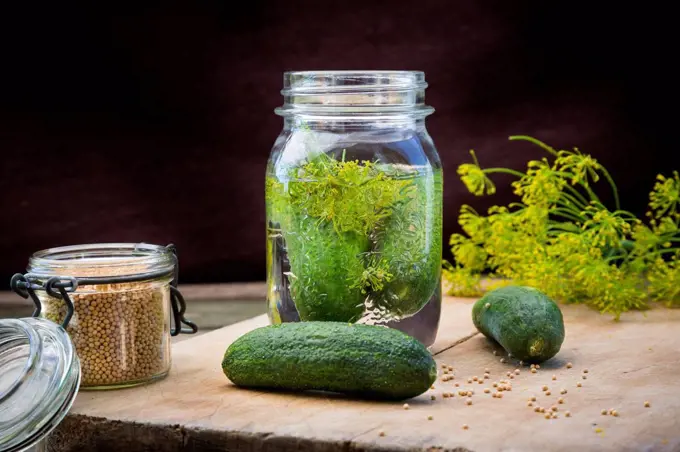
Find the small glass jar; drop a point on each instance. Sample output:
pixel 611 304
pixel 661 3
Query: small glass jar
pixel 354 203
pixel 116 301
pixel 38 383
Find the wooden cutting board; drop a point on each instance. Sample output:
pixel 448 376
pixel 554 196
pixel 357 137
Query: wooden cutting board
pixel 197 409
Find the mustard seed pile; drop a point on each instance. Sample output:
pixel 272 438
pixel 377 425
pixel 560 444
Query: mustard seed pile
pixel 120 331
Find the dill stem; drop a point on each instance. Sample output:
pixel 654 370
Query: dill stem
pixel 566 213
pixel 504 171
pixel 615 190
pixel 576 198
pixel 534 141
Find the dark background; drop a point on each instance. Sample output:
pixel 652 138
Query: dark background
pixel 155 124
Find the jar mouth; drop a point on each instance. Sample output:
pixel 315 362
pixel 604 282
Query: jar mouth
pixel 311 82
pixel 101 259
pixel 354 94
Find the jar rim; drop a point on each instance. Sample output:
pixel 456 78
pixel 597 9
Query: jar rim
pixel 326 82
pixel 352 95
pixel 120 258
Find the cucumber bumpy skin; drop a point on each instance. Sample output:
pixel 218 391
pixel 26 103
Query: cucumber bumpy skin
pixel 365 361
pixel 523 320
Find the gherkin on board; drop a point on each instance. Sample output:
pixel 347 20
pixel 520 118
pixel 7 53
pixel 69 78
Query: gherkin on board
pixel 364 361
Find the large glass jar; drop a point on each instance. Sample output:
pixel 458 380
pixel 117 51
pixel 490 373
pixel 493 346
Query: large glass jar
pixel 354 203
pixel 116 301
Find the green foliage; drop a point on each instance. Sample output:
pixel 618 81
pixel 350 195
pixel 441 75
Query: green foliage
pixel 562 240
pixel 353 229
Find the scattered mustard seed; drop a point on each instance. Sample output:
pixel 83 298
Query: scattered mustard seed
pixel 530 404
pixel 548 415
pixel 554 377
pixel 537 409
pixel 614 413
pixel 647 404
pixel 487 305
pixel 381 433
pixel 433 397
pixel 538 366
pixel 469 380
pixel 533 370
pixel 457 385
pixel 516 371
pixel 486 376
pixel 578 385
pixel 502 360
pixel 584 377
pixel 567 414
pixel 544 388
pixel 554 416
pixel 495 385
pixel 563 391
pixel 487 371
pixel 406 406
pixel 554 407
pixel 512 377
pixel 603 412
pixel 429 418
pixel 547 393
pixel 468 402
pixel 560 400
pixel 500 395
pixel 475 378
pixel 585 371
pixel 569 365
pixel 487 390
pixel 533 398
pixel 495 353
pixel 465 427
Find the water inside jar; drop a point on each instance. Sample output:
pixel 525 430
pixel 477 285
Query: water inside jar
pixel 355 235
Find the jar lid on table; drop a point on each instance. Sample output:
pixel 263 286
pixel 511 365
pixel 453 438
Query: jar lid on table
pixel 39 380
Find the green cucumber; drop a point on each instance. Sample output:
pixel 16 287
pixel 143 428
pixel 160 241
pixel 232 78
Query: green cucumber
pixel 411 244
pixel 365 361
pixel 523 320
pixel 322 262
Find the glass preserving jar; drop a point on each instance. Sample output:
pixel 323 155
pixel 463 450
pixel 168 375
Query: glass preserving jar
pixel 39 380
pixel 116 301
pixel 354 203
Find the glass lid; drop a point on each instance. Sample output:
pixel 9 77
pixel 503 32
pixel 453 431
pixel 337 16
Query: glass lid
pixel 39 380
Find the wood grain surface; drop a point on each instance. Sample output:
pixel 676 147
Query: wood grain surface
pixel 197 409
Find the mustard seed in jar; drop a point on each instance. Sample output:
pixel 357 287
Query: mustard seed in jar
pixel 122 307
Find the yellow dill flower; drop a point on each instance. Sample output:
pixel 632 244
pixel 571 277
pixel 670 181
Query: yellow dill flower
pixel 665 194
pixel 541 186
pixel 475 179
pixel 579 165
pixel 563 241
